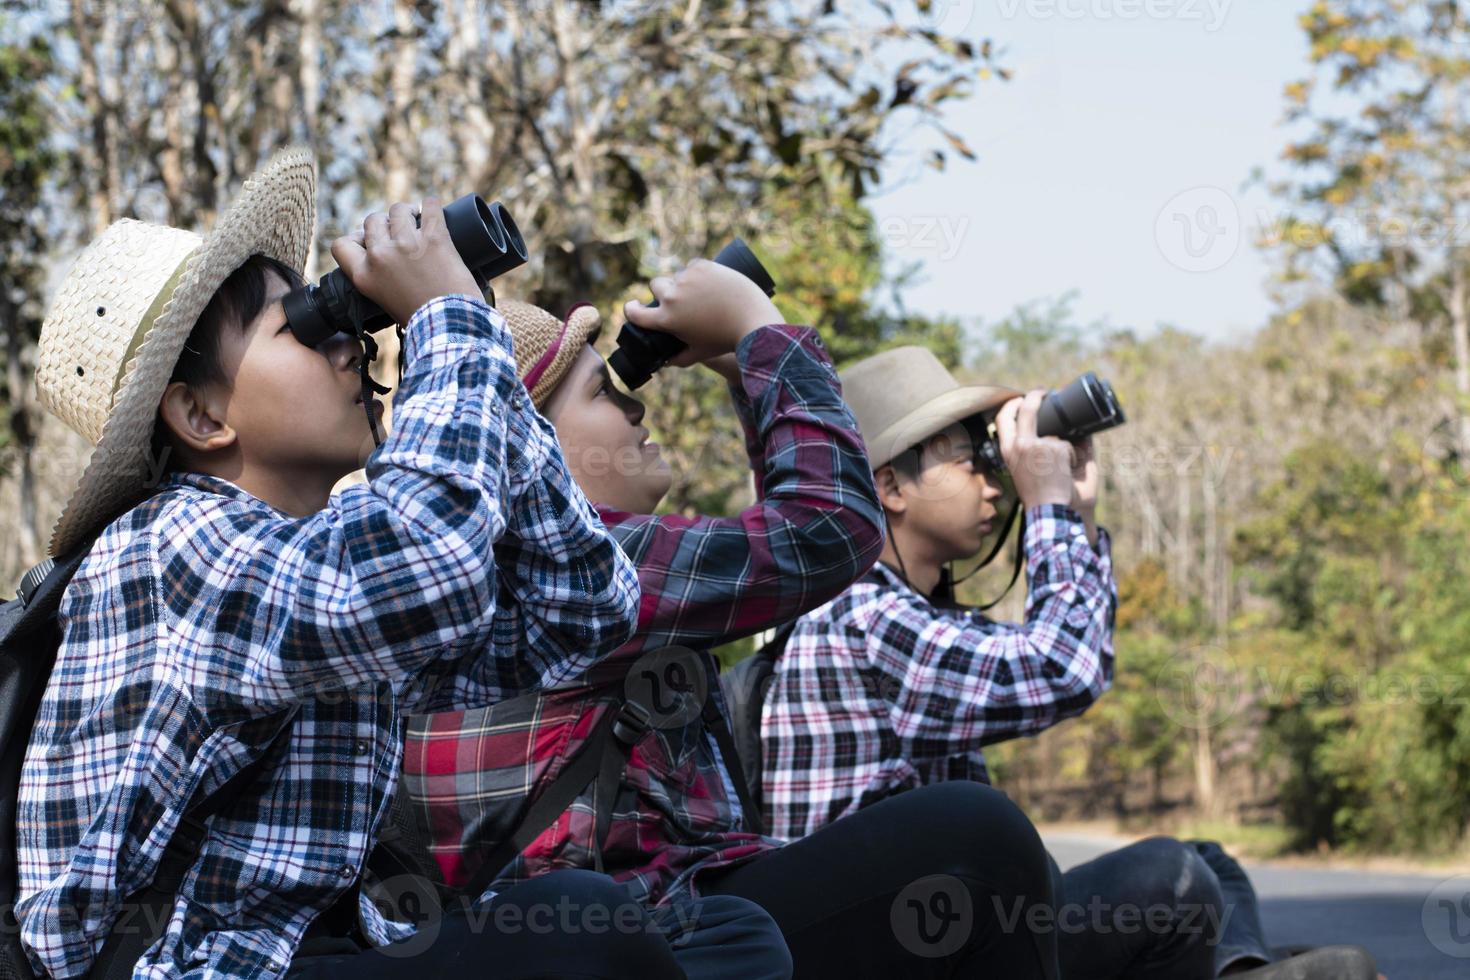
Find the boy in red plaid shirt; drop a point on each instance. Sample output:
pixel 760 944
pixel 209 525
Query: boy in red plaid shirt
pixel 668 821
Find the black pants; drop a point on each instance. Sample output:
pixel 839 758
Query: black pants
pixel 1150 911
pixel 563 924
pixel 1159 909
pixel 937 882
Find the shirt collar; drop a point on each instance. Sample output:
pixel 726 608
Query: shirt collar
pixel 210 484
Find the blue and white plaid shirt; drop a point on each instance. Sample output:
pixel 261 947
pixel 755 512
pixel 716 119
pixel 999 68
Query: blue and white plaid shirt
pixel 881 691
pixel 469 568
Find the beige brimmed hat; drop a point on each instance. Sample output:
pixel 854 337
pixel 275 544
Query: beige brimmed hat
pixel 903 396
pixel 119 322
pixel 545 347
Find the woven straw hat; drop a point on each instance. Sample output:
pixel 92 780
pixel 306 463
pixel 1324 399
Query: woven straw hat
pixel 119 322
pixel 903 396
pixel 545 347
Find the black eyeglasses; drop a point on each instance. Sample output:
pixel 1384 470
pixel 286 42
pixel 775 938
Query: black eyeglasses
pixel 986 457
pixel 984 452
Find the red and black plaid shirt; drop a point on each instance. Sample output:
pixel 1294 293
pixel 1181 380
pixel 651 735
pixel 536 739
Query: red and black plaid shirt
pixel 816 529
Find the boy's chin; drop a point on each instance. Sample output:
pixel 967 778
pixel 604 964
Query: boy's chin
pixel 655 486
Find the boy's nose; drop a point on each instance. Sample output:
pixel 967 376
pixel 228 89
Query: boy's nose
pixel 633 409
pixel 343 350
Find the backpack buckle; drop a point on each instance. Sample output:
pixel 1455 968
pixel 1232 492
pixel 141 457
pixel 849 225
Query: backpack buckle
pixel 32 579
pixel 632 723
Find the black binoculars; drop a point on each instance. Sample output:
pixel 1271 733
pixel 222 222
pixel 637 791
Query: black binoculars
pixel 485 236
pixel 1085 406
pixel 642 352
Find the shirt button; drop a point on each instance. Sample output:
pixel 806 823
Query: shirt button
pixel 276 966
pixel 1060 546
pixel 361 746
pixel 347 871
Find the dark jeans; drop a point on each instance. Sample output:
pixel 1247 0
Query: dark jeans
pixel 721 937
pixel 563 924
pixel 936 882
pixel 1160 909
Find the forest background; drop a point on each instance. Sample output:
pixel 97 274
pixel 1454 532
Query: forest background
pixel 1289 509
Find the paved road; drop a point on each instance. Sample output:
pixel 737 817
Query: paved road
pixel 1418 926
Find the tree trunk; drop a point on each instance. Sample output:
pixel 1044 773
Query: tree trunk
pixel 400 147
pixel 1204 769
pixel 309 81
pixel 98 155
pixel 1460 330
pixel 22 431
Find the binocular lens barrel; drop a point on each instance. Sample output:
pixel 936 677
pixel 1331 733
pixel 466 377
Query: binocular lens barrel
pixel 642 352
pixel 1085 406
pixel 485 236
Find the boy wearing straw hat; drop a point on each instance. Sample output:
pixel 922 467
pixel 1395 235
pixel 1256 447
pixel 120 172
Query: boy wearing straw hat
pixel 666 817
pixel 892 686
pixel 237 631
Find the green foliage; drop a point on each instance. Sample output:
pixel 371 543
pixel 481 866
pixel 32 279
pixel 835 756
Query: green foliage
pixel 26 161
pixel 1371 719
pixel 823 252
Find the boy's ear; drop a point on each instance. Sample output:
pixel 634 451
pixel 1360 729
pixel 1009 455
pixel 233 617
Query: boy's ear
pixel 196 418
pixel 890 493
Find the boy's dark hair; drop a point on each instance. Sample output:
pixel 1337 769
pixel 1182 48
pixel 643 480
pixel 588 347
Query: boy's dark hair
pixel 236 304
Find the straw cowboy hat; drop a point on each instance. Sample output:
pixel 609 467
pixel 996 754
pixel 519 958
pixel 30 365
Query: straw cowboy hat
pixel 119 322
pixel 903 396
pixel 546 347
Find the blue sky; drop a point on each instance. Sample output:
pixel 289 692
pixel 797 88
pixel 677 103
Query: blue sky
pixel 1113 163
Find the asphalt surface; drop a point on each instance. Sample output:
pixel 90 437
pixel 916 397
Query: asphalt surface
pixel 1417 926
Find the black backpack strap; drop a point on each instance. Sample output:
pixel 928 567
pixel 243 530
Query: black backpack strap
pixel 602 758
pixel 29 637
pixel 714 721
pixel 42 585
pixel 146 911
pixel 601 763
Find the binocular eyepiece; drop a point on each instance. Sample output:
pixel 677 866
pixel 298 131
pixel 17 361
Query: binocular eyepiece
pixel 642 352
pixel 485 236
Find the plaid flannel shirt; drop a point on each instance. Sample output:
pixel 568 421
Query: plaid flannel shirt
pixel 816 527
pixel 881 691
pixel 204 623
